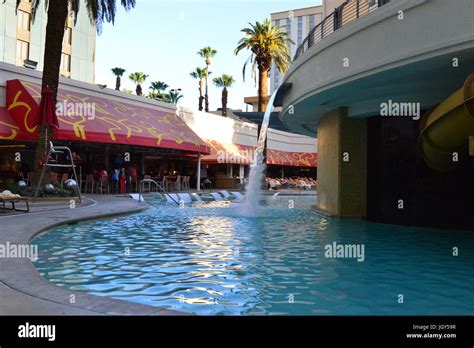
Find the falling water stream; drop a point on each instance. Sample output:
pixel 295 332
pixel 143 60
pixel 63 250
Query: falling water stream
pixel 252 191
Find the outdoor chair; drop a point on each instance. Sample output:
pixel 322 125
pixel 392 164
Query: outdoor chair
pixel 104 184
pixel 63 179
pixel 164 183
pixel 53 178
pixel 29 178
pixel 89 182
pixel 134 181
pixel 305 185
pixel 177 184
pixel 148 177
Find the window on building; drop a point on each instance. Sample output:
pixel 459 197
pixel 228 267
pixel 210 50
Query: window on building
pixel 65 63
pixel 311 22
pixel 67 36
pixel 23 20
pixel 22 51
pixel 300 30
pixel 288 29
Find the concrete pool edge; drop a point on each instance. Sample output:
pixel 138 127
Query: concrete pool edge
pixel 25 292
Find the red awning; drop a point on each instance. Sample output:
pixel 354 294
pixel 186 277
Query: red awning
pixel 293 159
pixel 89 118
pixel 228 153
pixel 9 130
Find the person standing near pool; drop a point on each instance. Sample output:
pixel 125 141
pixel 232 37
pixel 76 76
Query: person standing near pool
pixel 115 179
pixel 123 180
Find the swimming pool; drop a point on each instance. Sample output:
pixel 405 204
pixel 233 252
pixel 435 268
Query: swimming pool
pixel 212 259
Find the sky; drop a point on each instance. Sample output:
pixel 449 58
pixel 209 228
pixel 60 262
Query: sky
pixel 161 37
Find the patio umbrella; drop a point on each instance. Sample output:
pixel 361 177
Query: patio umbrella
pixel 46 114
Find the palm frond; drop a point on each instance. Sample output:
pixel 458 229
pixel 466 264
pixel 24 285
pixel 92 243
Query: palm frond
pixel 268 43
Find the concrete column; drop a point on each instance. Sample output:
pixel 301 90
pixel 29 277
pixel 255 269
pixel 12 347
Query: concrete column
pixel 242 172
pixel 342 165
pixel 198 180
pixel 107 159
pixel 142 164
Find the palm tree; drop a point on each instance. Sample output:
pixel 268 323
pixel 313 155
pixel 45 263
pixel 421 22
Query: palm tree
pixel 173 97
pixel 200 74
pixel 57 12
pixel 268 44
pixel 224 82
pixel 138 78
pixel 118 72
pixel 207 53
pixel 158 88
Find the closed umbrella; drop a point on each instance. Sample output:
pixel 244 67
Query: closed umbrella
pixel 46 114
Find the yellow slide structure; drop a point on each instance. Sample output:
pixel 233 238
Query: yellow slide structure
pixel 445 129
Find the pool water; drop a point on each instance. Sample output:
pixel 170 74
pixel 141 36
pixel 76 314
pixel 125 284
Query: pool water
pixel 211 259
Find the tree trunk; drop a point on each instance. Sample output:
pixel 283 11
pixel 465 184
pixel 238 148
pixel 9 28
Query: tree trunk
pixel 118 83
pixel 224 101
pixel 201 98
pixel 262 89
pixel 207 90
pixel 57 15
pixel 139 90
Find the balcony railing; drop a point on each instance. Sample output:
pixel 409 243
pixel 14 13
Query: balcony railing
pixel 344 14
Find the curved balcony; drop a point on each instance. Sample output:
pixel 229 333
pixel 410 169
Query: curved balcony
pixel 343 15
pixel 406 51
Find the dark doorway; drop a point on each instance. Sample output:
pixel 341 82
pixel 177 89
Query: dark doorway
pixel 402 189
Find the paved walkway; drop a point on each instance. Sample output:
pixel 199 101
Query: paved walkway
pixel 23 291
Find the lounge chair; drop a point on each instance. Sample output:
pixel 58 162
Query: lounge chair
pixel 196 197
pixel 304 185
pixel 238 196
pixel 185 197
pixel 8 197
pixel 225 194
pixel 217 197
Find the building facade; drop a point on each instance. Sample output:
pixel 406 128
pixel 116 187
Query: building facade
pixel 159 137
pixel 23 39
pixel 298 23
pixel 330 5
pixel 411 167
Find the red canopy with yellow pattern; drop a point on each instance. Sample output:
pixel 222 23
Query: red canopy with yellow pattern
pixel 91 118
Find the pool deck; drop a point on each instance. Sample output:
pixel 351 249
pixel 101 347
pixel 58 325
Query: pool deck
pixel 23 291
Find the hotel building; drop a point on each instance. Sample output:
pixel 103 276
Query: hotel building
pixel 23 39
pixel 298 23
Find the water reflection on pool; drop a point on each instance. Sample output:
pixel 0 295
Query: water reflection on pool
pixel 212 259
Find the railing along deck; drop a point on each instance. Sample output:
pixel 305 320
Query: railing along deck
pixel 344 14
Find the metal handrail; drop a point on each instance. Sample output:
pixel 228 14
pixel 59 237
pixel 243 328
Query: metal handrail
pixel 344 14
pixel 157 184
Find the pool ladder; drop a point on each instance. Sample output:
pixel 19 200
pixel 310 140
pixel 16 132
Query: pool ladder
pixel 158 185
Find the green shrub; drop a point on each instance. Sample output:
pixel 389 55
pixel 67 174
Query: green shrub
pixel 12 186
